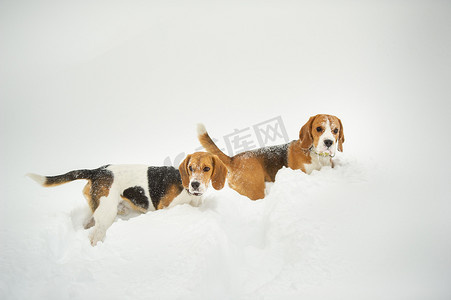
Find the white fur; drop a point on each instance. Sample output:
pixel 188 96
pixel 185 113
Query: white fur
pixel 185 198
pixel 317 163
pixel 202 187
pixel 38 178
pixel 201 129
pixel 327 135
pixel 126 176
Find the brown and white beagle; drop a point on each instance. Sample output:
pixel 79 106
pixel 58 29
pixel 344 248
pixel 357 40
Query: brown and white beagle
pixel 114 189
pixel 249 170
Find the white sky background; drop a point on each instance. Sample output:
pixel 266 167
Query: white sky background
pixel 87 83
pixel 115 81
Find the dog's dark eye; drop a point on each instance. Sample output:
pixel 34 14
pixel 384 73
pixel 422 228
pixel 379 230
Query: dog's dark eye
pixel 190 168
pixel 319 129
pixel 206 169
pixel 336 130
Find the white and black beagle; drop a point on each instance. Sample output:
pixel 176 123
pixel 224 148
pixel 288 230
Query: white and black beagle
pixel 114 189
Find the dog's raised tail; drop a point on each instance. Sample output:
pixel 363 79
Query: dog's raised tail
pixel 48 181
pixel 38 178
pixel 206 141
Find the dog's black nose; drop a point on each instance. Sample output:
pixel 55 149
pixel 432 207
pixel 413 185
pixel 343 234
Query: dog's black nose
pixel 195 185
pixel 328 143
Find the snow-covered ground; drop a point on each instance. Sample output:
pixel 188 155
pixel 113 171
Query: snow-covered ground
pixel 94 82
pixel 353 232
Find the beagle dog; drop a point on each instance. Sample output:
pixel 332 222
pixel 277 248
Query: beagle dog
pixel 114 189
pixel 249 170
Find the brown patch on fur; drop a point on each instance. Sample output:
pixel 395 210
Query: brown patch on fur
pixel 250 170
pixel 219 173
pixel 133 206
pixel 53 184
pixel 305 134
pixel 95 189
pixel 173 192
pixel 298 157
pixel 247 177
pixel 184 172
pixel 87 194
pixel 341 137
pixel 211 147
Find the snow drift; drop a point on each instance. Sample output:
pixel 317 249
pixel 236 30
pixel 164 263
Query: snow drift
pixel 333 234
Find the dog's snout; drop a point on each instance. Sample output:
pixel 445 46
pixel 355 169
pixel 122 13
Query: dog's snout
pixel 195 185
pixel 328 143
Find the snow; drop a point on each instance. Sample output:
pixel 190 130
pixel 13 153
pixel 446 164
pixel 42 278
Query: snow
pixel 86 84
pixel 342 232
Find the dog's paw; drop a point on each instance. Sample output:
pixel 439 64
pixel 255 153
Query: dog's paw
pixel 97 235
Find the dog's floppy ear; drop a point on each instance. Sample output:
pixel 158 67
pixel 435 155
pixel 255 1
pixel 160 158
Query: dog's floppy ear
pixel 183 169
pixel 305 135
pixel 219 174
pixel 341 137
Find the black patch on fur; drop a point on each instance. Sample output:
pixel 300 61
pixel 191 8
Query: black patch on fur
pixel 137 196
pixel 274 158
pixel 93 175
pixel 160 180
pixel 100 179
